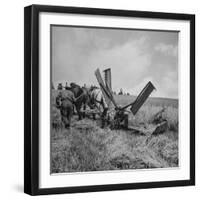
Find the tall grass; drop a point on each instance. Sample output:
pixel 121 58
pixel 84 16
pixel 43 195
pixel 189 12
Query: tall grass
pixel 146 113
pixel 79 150
pixel 96 149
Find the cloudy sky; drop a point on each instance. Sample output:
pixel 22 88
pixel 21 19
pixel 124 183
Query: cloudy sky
pixel 134 56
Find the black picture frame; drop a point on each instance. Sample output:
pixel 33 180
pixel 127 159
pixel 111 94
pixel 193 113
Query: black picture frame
pixel 31 98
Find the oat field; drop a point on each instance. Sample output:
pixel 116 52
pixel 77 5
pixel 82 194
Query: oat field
pixel 87 147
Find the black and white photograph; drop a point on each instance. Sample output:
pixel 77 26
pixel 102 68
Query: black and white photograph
pixel 114 99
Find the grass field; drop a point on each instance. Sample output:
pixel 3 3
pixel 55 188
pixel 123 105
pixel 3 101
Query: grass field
pixel 155 101
pixel 87 147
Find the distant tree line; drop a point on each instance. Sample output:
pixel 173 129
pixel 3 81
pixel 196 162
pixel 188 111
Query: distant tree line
pixel 121 92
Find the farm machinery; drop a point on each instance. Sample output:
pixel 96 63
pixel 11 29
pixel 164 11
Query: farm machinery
pixel 116 116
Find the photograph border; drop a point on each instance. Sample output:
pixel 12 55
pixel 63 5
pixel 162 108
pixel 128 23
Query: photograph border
pixel 31 98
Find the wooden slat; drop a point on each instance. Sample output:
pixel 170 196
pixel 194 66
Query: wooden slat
pixel 106 92
pixel 107 78
pixel 142 97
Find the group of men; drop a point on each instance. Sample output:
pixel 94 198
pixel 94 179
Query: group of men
pixel 75 96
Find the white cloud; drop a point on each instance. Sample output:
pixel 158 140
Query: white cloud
pixel 128 62
pixel 167 49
